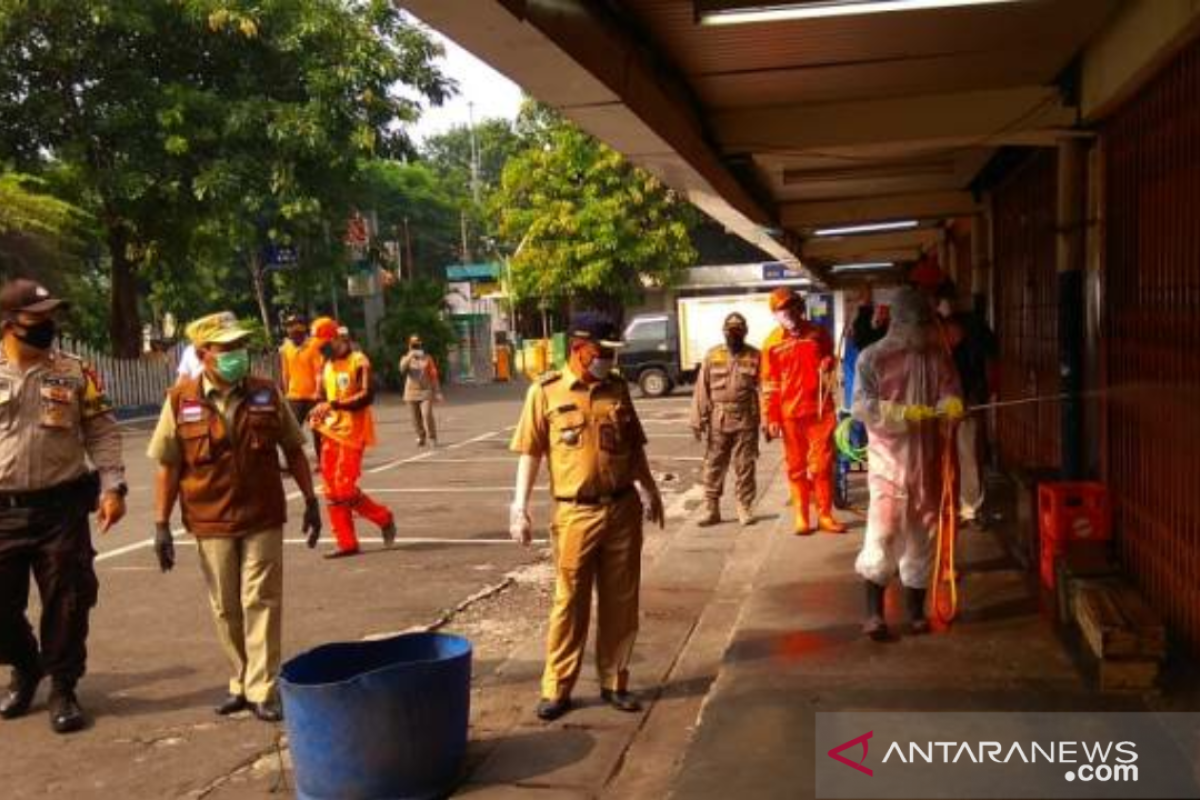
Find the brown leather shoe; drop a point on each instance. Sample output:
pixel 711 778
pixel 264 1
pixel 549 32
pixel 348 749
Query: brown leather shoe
pixel 712 514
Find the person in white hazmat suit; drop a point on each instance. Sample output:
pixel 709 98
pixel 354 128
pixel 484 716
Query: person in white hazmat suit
pixel 905 391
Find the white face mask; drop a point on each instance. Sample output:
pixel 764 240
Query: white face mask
pixel 418 352
pixel 943 308
pixel 601 367
pixel 786 319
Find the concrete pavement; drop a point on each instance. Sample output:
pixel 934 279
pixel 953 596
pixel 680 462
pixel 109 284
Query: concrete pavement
pixel 745 633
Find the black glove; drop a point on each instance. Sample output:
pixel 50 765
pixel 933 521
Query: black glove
pixel 312 521
pixel 164 546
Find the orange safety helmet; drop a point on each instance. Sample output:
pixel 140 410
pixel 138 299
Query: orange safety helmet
pixel 782 297
pixel 324 329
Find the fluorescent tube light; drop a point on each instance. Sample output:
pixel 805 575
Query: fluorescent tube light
pixel 863 266
pixel 711 14
pixel 868 227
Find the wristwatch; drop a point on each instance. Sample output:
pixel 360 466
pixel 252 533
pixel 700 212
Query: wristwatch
pixel 121 489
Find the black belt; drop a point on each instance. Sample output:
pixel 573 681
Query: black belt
pixel 55 495
pixel 598 500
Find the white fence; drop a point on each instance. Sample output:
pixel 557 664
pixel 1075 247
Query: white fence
pixel 143 382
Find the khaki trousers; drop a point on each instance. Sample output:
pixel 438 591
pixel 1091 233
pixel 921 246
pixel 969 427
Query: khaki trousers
pixel 598 545
pixel 423 421
pixel 740 447
pixel 245 588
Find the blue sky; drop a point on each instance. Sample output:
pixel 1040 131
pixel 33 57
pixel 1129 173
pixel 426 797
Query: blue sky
pixel 492 94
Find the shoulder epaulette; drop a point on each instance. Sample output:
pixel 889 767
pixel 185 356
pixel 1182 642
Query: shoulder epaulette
pixel 547 378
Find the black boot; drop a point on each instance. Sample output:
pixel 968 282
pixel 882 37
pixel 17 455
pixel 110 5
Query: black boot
pixel 21 691
pixel 918 623
pixel 875 627
pixel 66 716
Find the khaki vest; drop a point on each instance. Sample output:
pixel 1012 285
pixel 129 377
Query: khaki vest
pixel 230 483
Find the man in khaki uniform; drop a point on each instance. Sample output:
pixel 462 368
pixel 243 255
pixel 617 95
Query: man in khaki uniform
pixel 217 445
pixel 725 405
pixel 54 418
pixel 583 422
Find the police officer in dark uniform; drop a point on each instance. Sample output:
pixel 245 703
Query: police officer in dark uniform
pixel 56 425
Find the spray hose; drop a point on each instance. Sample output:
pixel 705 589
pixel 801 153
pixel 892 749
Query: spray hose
pixel 944 593
pixel 845 446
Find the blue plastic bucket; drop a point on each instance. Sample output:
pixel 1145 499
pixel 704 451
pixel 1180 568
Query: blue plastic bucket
pixel 383 719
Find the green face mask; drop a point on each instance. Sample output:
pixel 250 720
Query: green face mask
pixel 233 366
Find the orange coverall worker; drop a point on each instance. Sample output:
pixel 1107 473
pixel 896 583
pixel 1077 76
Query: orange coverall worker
pixel 794 364
pixel 302 364
pixel 347 430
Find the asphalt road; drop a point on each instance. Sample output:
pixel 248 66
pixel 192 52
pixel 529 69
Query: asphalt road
pixel 155 668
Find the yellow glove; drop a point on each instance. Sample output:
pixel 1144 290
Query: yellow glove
pixel 918 413
pixel 953 408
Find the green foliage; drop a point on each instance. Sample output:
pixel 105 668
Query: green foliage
pixel 583 222
pixel 27 211
pixel 413 192
pixel 201 130
pixel 449 154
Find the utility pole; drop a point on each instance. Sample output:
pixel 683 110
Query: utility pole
pixel 474 153
pixel 373 307
pixel 466 249
pixel 333 292
pixel 408 256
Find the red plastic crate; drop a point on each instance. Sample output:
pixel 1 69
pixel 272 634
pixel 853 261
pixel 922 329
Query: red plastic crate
pixel 1071 512
pixel 1052 551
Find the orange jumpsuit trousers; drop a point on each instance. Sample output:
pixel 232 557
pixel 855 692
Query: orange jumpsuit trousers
pixel 808 447
pixel 341 467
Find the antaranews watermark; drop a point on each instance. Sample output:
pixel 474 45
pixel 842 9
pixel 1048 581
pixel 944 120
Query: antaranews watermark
pixel 1010 755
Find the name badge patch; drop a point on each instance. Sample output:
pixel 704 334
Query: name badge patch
pixel 191 412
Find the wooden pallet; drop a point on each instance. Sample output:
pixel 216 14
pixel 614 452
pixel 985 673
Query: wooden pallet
pixel 1118 625
pixel 1123 675
pixel 1085 564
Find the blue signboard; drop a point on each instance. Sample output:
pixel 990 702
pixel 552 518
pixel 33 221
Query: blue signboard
pixel 776 271
pixel 281 256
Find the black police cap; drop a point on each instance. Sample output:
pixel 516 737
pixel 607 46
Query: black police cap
pixel 593 326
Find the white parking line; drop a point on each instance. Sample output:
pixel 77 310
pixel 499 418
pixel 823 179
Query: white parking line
pixel 448 490
pixel 415 540
pixel 179 532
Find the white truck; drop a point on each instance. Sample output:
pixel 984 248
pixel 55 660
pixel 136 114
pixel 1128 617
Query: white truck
pixel 664 350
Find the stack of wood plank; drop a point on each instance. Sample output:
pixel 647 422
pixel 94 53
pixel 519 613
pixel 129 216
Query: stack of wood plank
pixel 1126 635
pixel 1084 564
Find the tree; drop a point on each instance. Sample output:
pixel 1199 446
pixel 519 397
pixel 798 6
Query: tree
pixel 228 120
pixel 417 210
pixel 583 222
pixel 449 154
pixel 414 307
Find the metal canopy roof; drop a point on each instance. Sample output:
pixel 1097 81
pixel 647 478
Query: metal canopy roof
pixel 779 128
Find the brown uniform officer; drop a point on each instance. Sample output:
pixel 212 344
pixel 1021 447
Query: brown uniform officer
pixel 583 422
pixel 217 444
pixel 725 404
pixel 54 418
